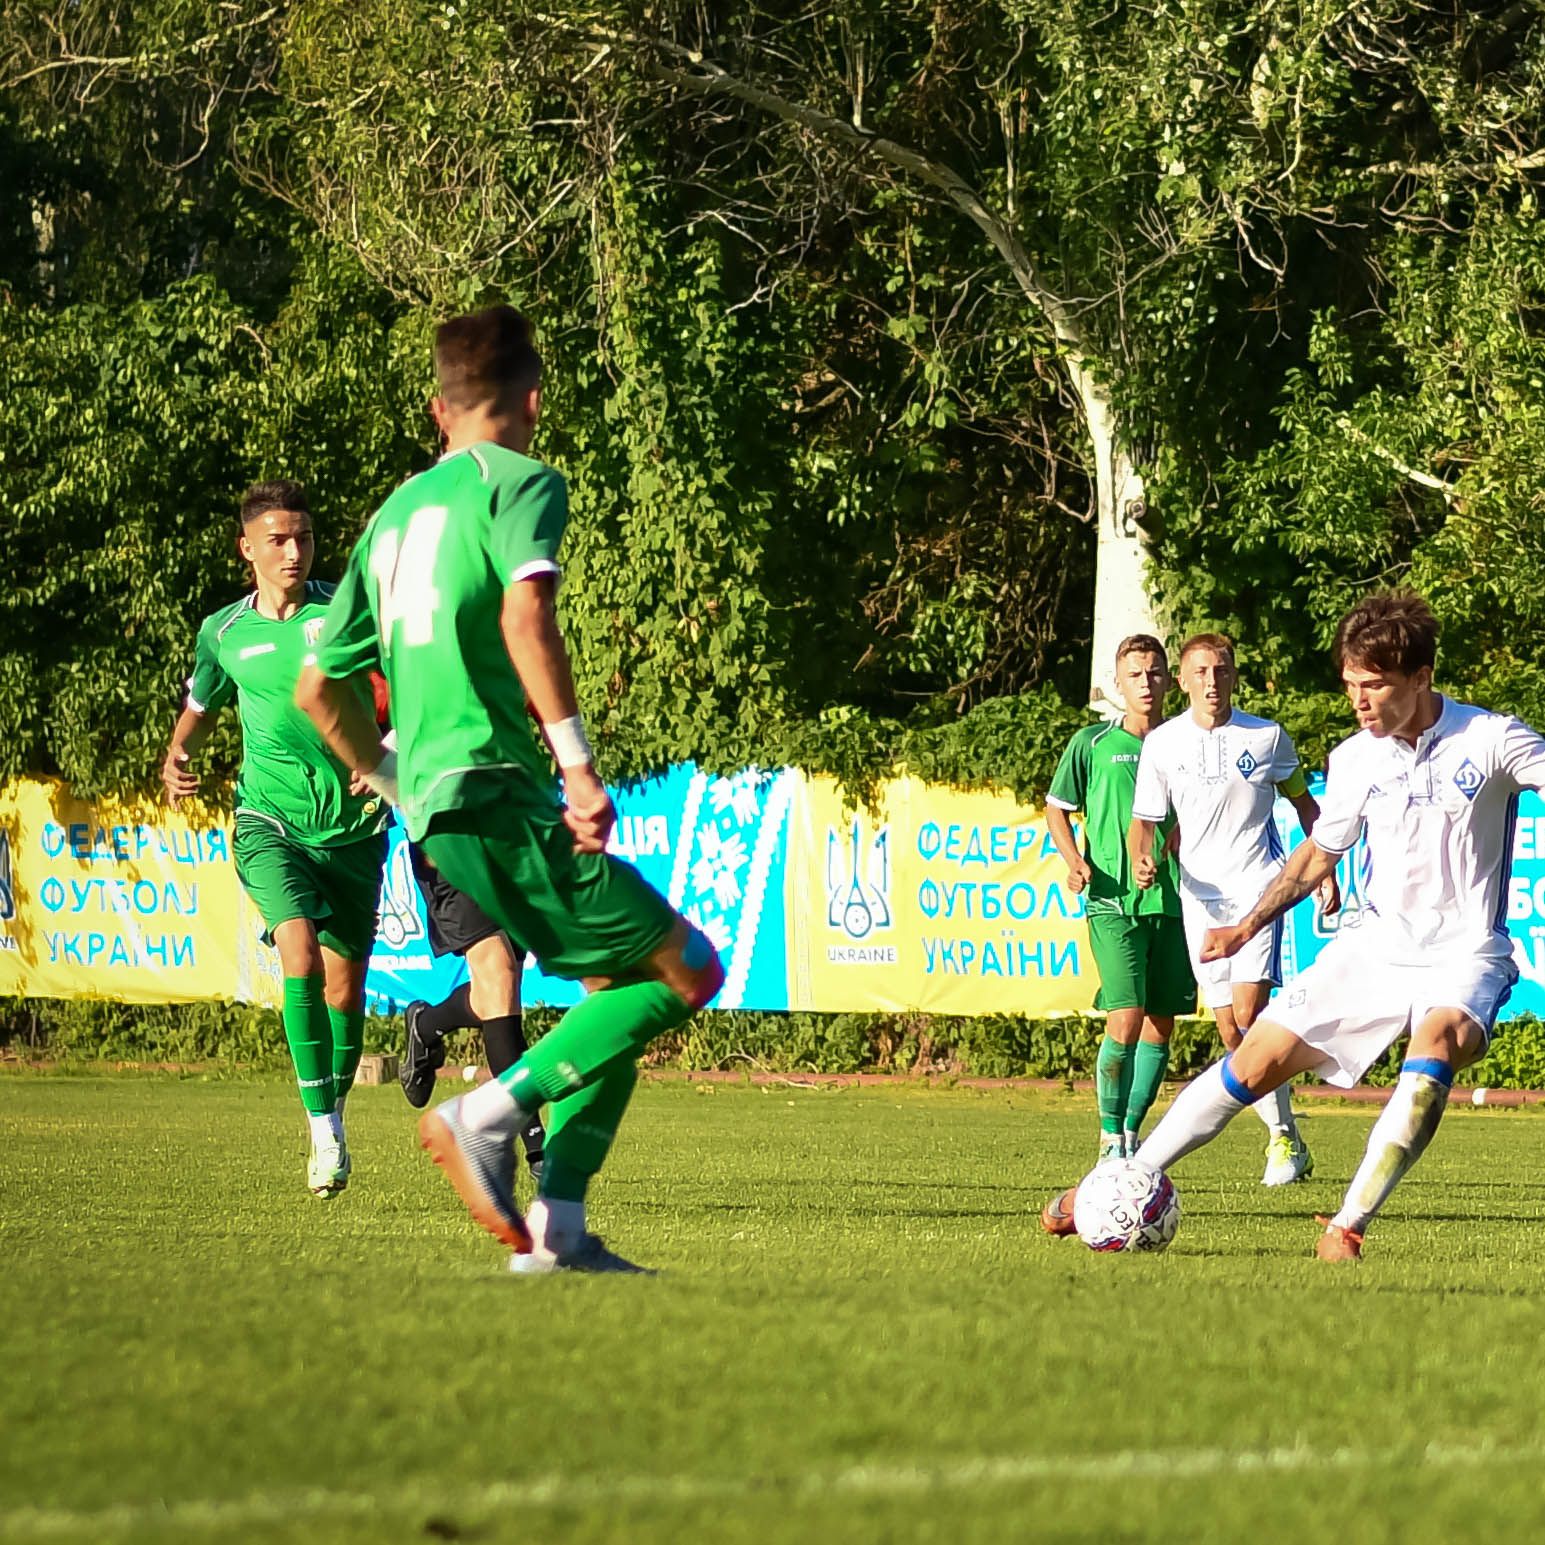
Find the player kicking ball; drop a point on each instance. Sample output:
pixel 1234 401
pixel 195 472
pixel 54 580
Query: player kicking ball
pixel 1218 771
pixel 1135 934
pixel 308 850
pixel 489 1001
pixel 1434 785
pixel 450 593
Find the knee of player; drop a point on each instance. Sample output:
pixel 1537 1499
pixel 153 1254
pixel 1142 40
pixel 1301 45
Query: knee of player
pixel 346 995
pixel 704 971
pixel 495 971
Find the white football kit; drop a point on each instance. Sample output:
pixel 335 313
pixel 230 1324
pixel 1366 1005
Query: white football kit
pixel 1433 932
pixel 1222 785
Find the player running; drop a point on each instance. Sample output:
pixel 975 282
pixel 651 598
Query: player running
pixel 1434 785
pixel 308 851
pixel 450 592
pixel 489 1001
pixel 1218 771
pixel 1135 934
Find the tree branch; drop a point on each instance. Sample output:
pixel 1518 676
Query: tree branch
pixel 142 61
pixel 1404 468
pixel 694 72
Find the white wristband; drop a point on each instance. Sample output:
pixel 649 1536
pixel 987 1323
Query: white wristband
pixel 383 778
pixel 570 746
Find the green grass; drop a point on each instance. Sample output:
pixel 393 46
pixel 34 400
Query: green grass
pixel 858 1333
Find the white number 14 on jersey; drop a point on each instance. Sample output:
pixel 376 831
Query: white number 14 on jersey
pixel 404 575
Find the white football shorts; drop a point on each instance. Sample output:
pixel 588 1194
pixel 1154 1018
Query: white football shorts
pixel 1259 961
pixel 1353 1005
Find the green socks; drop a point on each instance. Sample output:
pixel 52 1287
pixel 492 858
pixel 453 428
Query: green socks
pixel 581 1130
pixel 1127 1080
pixel 583 1069
pixel 308 1029
pixel 1149 1064
pixel 1113 1083
pixel 615 1022
pixel 348 1046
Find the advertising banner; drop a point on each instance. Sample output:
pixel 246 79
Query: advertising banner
pixel 941 902
pixel 118 899
pixel 947 902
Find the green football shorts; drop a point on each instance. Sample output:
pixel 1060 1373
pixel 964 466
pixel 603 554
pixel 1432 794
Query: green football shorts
pixel 1143 963
pixel 580 914
pixel 338 887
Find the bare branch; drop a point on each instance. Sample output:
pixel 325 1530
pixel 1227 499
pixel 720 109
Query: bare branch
pixel 154 59
pixel 1403 467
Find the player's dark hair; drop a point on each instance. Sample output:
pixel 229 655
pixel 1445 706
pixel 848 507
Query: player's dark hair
pixel 280 494
pixel 1220 643
pixel 1140 643
pixel 1392 631
pixel 486 357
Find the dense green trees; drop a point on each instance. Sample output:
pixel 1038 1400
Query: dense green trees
pixel 871 330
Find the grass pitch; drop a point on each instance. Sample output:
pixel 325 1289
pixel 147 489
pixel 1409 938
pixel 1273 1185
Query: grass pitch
pixel 857 1335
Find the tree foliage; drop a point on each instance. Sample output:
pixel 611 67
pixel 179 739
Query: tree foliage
pixel 821 291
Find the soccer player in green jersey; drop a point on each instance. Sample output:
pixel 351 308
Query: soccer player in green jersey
pixel 450 592
pixel 1135 934
pixel 308 851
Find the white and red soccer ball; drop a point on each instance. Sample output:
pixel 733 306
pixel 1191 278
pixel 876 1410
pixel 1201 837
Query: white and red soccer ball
pixel 1126 1205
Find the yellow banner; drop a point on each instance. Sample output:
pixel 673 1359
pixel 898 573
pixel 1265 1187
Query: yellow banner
pixel 122 899
pixel 946 902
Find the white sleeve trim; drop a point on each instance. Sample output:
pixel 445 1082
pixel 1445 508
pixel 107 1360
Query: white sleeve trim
pixel 1325 847
pixel 1061 804
pixel 533 569
pixel 196 706
pixel 1157 820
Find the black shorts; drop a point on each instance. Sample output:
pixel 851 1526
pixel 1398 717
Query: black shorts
pixel 456 921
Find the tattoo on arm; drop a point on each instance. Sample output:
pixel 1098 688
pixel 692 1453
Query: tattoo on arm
pixel 1282 895
pixel 1301 877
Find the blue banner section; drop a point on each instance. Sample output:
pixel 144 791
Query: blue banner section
pixel 715 847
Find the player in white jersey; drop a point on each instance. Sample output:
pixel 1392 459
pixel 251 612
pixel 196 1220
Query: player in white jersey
pixel 1434 784
pixel 1219 770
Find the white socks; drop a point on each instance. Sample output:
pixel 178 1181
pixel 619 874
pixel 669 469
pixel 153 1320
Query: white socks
pixel 1276 1110
pixel 1398 1139
pixel 326 1129
pixel 556 1227
pixel 1201 1110
pixel 489 1108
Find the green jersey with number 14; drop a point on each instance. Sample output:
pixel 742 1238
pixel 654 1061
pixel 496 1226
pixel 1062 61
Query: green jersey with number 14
pixel 421 601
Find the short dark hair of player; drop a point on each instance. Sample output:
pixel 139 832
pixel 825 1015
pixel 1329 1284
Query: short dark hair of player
pixel 280 494
pixel 486 357
pixel 1393 631
pixel 1139 643
pixel 1219 643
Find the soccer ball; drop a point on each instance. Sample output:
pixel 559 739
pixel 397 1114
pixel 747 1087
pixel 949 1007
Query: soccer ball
pixel 1126 1205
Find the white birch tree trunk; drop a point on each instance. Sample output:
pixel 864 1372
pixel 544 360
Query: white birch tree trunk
pixel 1122 601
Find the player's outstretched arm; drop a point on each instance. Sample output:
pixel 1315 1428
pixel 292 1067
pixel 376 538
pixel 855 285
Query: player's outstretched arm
pixel 1300 876
pixel 188 735
pixel 346 724
pixel 529 621
pixel 1145 869
pixel 1060 827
